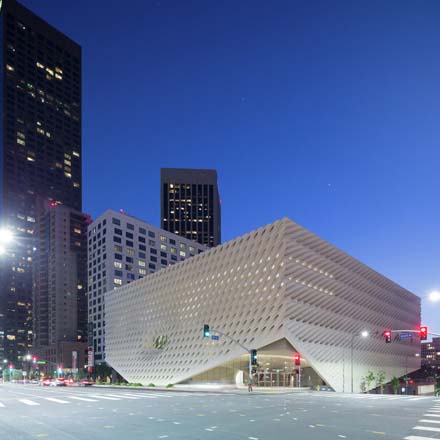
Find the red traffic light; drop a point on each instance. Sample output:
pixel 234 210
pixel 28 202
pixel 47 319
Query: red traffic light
pixel 423 333
pixel 387 336
pixel 297 359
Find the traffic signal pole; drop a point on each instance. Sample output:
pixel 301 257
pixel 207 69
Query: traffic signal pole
pixel 240 345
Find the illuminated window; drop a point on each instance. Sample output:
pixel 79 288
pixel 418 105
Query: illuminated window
pixel 39 65
pixel 118 264
pixel 49 71
pixel 9 67
pixel 130 252
pixel 141 263
pixel 21 142
pixel 76 185
pixel 142 272
pixel 76 154
pixel 118 248
pixel 77 231
pixel 182 253
pixel 117 281
pixel 163 247
pixel 68 175
pixel 163 238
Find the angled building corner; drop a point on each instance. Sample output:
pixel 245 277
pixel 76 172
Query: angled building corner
pixel 279 289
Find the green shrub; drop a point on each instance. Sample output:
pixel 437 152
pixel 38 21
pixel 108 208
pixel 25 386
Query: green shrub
pixel 170 385
pixel 151 385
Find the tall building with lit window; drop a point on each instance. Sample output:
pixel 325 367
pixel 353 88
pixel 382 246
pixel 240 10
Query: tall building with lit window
pixel 60 284
pixel 40 151
pixel 431 356
pixel 122 249
pixel 190 204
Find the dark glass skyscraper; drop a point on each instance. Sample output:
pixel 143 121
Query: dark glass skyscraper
pixel 40 152
pixel 190 204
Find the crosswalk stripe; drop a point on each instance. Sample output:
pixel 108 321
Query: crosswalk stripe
pixel 431 415
pixel 428 421
pixel 2 405
pixel 104 397
pixel 28 402
pixel 416 437
pixel 124 396
pixel 52 399
pixel 82 398
pixel 427 428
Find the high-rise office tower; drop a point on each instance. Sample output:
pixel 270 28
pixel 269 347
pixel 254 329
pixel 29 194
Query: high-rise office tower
pixel 123 249
pixel 40 151
pixel 60 283
pixel 190 204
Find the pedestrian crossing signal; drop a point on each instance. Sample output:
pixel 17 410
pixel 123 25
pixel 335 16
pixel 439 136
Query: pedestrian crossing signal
pixel 423 333
pixel 387 336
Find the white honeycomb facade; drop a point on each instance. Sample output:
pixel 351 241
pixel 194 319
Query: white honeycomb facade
pixel 280 281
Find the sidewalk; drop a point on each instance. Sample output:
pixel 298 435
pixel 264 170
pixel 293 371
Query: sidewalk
pixel 220 389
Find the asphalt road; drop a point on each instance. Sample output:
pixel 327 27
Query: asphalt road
pixel 32 412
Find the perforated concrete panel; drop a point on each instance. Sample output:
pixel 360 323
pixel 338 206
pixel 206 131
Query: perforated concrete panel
pixel 278 281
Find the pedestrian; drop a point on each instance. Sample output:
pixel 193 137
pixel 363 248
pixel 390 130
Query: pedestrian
pixel 250 384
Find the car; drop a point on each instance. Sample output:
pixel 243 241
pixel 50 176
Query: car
pixel 45 382
pixel 85 383
pixel 59 382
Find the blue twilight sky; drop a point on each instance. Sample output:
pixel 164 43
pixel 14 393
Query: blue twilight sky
pixel 323 111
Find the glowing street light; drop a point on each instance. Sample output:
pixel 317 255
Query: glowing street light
pixel 6 236
pixel 434 296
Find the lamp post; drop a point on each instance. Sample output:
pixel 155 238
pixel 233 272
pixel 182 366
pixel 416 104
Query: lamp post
pixel 364 334
pixel 6 237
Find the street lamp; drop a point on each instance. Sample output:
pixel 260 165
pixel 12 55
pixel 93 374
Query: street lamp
pixel 434 296
pixel 6 237
pixel 363 334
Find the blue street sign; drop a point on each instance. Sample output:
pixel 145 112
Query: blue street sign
pixel 215 337
pixel 405 335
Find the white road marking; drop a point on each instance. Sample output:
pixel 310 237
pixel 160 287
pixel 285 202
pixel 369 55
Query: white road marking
pixel 416 437
pixel 124 396
pixel 428 421
pixel 28 402
pixel 2 405
pixel 427 428
pixel 104 397
pixel 82 398
pixel 431 415
pixel 52 399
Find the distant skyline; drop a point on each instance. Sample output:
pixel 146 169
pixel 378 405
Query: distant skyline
pixel 324 112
